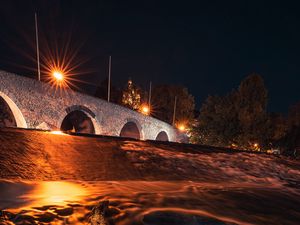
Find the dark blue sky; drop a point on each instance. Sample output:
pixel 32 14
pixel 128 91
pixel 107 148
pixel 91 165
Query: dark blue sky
pixel 208 47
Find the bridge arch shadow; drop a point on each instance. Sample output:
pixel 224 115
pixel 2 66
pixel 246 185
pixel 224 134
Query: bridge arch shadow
pixel 132 129
pixel 10 114
pixel 162 136
pixel 79 119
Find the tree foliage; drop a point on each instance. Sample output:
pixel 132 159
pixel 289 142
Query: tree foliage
pixel 290 142
pixel 294 115
pixel 163 98
pixel 131 96
pixel 236 119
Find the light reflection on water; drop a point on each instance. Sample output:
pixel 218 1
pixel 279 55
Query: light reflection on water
pixel 55 193
pixel 142 202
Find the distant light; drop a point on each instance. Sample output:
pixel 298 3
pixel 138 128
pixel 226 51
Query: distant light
pixel 256 146
pixel 234 145
pixel 145 109
pixel 58 75
pixel 181 127
pixel 58 132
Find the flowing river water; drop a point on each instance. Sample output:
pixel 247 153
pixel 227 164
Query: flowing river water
pixel 59 179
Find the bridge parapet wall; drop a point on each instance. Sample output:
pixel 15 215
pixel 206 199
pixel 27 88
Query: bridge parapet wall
pixel 44 107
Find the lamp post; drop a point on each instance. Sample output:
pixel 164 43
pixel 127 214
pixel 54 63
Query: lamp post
pixel 108 84
pixel 37 47
pixel 174 110
pixel 149 97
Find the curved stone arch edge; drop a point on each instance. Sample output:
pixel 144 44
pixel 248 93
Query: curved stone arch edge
pixel 84 109
pixel 137 123
pixel 163 131
pixel 18 116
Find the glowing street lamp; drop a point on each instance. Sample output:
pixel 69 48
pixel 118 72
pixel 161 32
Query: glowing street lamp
pixel 181 127
pixel 145 109
pixel 58 76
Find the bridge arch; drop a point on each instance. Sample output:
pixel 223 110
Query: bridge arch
pixel 79 119
pixel 16 112
pixel 132 129
pixel 162 136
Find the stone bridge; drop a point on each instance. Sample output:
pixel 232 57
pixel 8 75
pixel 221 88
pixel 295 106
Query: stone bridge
pixel 28 103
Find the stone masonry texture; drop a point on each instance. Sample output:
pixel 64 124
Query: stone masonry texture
pixel 42 106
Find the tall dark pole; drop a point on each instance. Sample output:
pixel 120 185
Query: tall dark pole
pixel 174 111
pixel 108 85
pixel 37 47
pixel 149 97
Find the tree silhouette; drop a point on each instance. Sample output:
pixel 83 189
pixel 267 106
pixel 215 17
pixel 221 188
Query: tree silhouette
pixel 163 97
pixel 237 119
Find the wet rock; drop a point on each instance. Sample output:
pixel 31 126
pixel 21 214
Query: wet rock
pixel 97 216
pixel 174 218
pixel 44 208
pixel 65 211
pixel 5 215
pixel 89 207
pixel 24 219
pixel 46 217
pixel 25 222
pixel 2 216
pixel 74 205
pixel 115 203
pixel 112 211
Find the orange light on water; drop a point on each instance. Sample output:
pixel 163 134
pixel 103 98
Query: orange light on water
pixel 56 193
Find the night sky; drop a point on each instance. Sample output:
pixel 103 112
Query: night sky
pixel 208 46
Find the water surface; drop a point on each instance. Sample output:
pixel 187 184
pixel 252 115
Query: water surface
pixel 58 179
